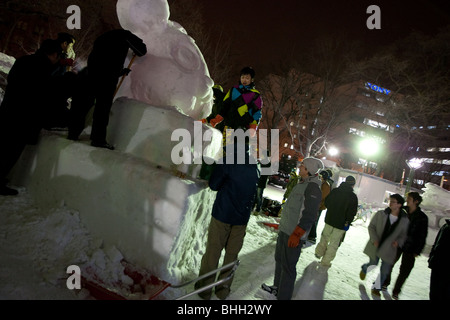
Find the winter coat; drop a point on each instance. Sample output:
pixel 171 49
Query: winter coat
pixel 242 107
pixel 399 231
pixel 24 104
pixel 325 188
pixel 110 51
pixel 417 232
pixel 301 206
pixel 342 205
pixel 236 186
pixel 439 257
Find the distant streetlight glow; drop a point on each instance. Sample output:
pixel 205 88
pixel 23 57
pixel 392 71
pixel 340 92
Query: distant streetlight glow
pixel 333 151
pixel 369 147
pixel 413 164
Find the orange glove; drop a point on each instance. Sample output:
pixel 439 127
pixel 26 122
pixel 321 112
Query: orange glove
pixel 218 119
pixel 255 127
pixel 294 239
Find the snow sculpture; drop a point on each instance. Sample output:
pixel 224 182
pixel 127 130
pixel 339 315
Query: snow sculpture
pixel 173 72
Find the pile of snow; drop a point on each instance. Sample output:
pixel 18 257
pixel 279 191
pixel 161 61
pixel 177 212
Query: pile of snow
pixel 131 198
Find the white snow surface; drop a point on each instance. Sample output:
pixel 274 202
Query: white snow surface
pixel 37 246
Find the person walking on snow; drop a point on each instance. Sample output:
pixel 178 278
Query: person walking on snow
pixel 299 214
pixel 415 242
pixel 326 189
pixel 342 205
pixel 388 230
pixel 105 67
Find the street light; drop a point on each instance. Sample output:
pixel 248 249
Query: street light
pixel 413 164
pixel 333 151
pixel 369 148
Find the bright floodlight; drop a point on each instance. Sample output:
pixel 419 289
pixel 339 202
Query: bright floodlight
pixel 333 151
pixel 414 163
pixel 369 147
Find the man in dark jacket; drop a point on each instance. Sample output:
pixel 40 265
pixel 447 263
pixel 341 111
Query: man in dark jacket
pixel 105 67
pixel 414 244
pixel 341 204
pixel 235 184
pixel 438 262
pixel 22 109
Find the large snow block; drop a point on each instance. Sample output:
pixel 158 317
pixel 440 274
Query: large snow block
pixel 151 133
pixel 128 197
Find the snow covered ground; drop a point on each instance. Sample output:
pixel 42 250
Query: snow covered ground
pixel 36 247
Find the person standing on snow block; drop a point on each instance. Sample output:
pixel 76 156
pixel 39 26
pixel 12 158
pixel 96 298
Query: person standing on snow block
pixel 23 106
pixel 235 184
pixel 388 230
pixel 341 205
pixel 242 105
pixel 63 81
pixel 299 214
pixel 105 67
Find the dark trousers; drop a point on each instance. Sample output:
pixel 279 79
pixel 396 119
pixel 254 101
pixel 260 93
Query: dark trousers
pixel 313 233
pixel 440 284
pixel 259 198
pixel 286 259
pixel 407 264
pixel 92 90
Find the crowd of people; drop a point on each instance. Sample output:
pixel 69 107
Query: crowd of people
pixel 39 87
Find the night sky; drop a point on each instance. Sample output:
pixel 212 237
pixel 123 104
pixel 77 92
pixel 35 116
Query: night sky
pixel 264 31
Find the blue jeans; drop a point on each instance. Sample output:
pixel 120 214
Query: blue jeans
pixel 385 270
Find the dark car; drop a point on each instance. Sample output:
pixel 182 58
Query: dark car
pixel 280 179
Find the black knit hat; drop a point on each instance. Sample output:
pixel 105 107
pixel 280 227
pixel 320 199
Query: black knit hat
pixel 324 174
pixel 248 70
pixel 350 180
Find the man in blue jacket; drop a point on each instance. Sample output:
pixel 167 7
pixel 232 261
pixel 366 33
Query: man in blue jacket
pixel 236 184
